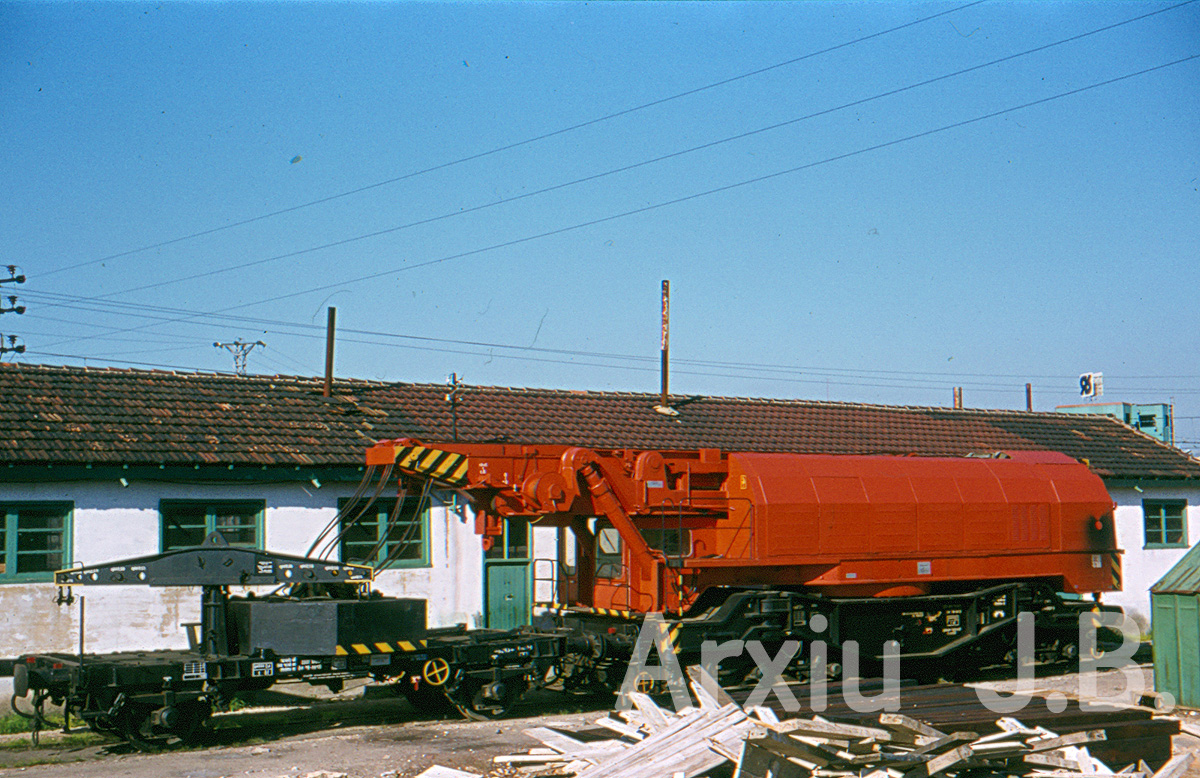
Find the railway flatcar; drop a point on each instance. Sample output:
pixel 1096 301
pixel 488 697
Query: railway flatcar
pixel 323 626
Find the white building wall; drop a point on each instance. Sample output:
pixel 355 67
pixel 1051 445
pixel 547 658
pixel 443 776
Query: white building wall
pixel 1141 566
pixel 112 522
pixel 453 581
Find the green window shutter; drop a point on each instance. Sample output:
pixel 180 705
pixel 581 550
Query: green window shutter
pixel 35 540
pixel 186 523
pixel 1165 523
pixel 379 535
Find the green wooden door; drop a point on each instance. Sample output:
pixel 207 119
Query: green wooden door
pixel 507 594
pixel 506 577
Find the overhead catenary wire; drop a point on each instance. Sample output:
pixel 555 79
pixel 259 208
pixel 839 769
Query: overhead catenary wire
pixel 817 375
pixel 315 330
pixel 645 362
pixel 636 165
pixel 517 144
pixel 678 200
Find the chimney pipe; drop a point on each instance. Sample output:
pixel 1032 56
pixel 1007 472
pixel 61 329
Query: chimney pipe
pixel 958 398
pixel 330 324
pixel 1029 397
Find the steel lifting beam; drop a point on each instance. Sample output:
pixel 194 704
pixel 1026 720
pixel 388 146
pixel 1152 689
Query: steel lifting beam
pixel 215 563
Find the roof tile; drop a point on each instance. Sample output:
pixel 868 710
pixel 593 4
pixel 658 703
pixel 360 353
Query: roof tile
pixel 55 414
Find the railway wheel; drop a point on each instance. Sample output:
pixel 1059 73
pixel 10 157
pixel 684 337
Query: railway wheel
pixel 133 725
pixel 192 716
pixel 481 701
pixel 580 674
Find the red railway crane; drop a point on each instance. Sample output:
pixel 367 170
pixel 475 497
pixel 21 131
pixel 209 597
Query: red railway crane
pixel 938 552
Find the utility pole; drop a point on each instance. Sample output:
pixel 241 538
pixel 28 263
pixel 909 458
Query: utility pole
pixel 664 403
pixel 330 327
pixel 239 349
pixel 13 307
pixel 452 398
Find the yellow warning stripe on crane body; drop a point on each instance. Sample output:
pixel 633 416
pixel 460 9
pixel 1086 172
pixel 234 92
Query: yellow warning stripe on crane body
pixel 444 466
pixel 576 610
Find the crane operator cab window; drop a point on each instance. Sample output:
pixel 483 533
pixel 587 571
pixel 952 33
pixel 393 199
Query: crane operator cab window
pixel 608 549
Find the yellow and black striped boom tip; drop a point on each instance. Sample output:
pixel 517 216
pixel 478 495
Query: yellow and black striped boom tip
pixel 444 466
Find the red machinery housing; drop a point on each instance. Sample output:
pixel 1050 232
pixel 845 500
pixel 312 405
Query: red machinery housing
pixel 836 529
pixel 841 525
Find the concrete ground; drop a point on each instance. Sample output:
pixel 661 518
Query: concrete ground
pixel 384 738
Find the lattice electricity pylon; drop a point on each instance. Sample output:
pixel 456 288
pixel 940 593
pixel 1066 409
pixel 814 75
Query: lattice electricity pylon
pixel 239 349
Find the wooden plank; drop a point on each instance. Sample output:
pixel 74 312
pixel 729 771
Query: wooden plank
pixel 1050 760
pixel 756 761
pixel 765 715
pixel 530 758
pixel 682 745
pixel 947 760
pixel 730 750
pixel 438 771
pixel 1009 724
pixel 999 748
pixel 789 748
pixel 694 758
pixel 656 717
pixel 1176 766
pixel 1073 739
pixel 945 743
pixel 1189 728
pixel 590 753
pixel 893 760
pixel 621 728
pixel 898 721
pixel 706 689
pixel 816 727
pixel 562 743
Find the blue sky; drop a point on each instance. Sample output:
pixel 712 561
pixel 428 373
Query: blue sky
pixel 887 240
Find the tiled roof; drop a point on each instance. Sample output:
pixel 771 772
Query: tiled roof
pixel 64 415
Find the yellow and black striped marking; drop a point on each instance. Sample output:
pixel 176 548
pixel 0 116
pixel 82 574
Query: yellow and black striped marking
pixel 613 612
pixel 444 466
pixel 1114 570
pixel 362 649
pixel 672 633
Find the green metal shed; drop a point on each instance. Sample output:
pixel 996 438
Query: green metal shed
pixel 1175 618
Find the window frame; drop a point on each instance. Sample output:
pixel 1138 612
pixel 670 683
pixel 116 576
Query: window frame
pixel 211 509
pixel 516 534
pixel 610 565
pixel 10 517
pixel 1162 505
pixel 383 510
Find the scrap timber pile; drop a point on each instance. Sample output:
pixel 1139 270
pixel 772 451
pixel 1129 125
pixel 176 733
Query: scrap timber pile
pixel 718 736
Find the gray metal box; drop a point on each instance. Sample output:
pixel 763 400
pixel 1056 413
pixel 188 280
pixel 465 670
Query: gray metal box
pixel 318 627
